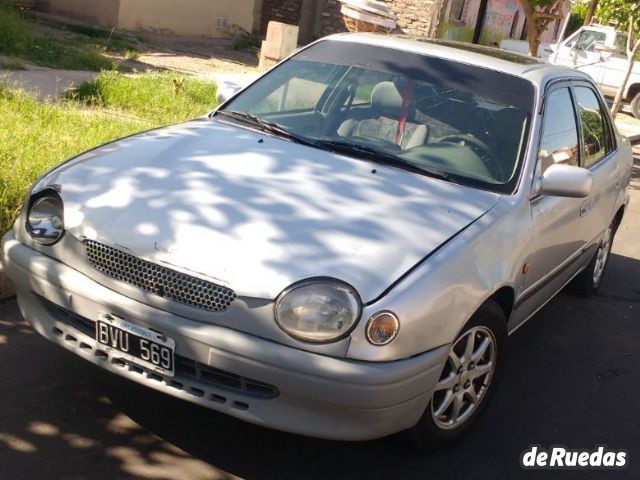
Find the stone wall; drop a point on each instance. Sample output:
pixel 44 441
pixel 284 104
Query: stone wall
pixel 418 18
pixel 415 17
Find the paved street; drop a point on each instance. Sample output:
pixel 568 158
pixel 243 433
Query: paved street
pixel 572 378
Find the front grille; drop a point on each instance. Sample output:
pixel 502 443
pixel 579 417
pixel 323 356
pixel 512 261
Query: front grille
pixel 185 367
pixel 159 280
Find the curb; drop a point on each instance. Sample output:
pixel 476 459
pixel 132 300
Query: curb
pixel 7 289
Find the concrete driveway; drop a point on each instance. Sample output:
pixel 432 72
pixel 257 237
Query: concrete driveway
pixel 572 378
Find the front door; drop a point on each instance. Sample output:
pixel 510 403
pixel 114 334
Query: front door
pixel 557 223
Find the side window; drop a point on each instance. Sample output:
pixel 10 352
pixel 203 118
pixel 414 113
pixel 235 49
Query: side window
pixel 588 40
pixel 594 131
pixel 559 142
pixel 621 44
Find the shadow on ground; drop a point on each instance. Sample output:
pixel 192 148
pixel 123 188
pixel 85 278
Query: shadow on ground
pixel 572 378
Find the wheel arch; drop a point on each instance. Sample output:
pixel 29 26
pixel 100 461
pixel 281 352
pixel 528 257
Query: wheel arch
pixel 619 215
pixel 505 298
pixel 632 91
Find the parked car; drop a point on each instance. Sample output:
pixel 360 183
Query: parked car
pixel 340 249
pixel 601 52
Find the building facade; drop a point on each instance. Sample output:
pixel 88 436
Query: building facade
pixel 502 19
pixel 318 18
pixel 207 18
pixel 451 19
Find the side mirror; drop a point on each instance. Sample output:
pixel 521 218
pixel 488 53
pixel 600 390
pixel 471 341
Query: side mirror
pixel 605 51
pixel 226 90
pixel 566 181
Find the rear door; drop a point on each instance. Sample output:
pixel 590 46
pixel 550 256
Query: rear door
pixel 598 146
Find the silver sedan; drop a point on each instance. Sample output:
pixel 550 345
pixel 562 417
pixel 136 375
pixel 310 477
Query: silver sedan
pixel 341 248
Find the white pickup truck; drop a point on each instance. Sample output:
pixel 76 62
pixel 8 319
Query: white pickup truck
pixel 607 67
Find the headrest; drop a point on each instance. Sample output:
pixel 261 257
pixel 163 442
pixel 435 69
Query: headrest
pixel 385 97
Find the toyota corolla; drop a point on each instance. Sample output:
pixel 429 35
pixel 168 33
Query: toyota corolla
pixel 340 249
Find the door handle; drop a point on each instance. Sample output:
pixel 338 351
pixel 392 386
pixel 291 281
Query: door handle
pixel 585 208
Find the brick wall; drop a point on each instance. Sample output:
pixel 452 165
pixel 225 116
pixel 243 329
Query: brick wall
pixel 332 21
pixel 285 11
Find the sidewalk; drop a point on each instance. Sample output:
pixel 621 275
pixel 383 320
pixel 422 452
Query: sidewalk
pixel 46 82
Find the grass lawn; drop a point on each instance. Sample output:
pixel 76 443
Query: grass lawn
pixel 36 136
pixel 164 97
pixel 79 48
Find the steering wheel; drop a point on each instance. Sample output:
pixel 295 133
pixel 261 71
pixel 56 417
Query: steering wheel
pixel 478 147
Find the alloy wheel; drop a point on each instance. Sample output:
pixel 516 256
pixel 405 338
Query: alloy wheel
pixel 465 378
pixel 602 255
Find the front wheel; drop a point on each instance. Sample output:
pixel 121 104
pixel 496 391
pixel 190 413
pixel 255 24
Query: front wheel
pixel 467 381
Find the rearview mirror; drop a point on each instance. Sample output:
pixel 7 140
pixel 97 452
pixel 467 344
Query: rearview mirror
pixel 566 181
pixel 226 90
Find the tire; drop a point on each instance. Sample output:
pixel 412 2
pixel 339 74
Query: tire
pixel 589 280
pixel 436 428
pixel 635 105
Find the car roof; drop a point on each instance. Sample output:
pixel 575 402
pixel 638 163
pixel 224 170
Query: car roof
pixel 511 63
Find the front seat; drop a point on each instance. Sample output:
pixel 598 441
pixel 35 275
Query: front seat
pixel 382 121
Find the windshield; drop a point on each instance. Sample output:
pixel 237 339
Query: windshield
pixel 459 122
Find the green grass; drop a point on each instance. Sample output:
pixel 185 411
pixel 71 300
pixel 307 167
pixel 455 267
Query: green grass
pixel 85 52
pixel 156 97
pixel 36 136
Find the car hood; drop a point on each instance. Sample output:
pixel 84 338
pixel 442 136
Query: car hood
pixel 257 213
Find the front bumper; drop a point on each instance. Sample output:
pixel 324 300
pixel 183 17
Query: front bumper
pixel 313 394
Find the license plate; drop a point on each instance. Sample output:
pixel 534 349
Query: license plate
pixel 141 346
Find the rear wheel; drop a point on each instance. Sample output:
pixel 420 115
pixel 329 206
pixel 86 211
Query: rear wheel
pixel 589 280
pixel 467 380
pixel 635 105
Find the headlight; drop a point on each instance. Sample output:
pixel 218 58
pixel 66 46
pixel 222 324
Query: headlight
pixel 318 311
pixel 45 219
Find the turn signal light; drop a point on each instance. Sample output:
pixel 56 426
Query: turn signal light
pixel 382 328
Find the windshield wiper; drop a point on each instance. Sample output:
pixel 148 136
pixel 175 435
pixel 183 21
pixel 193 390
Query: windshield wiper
pixel 378 156
pixel 339 146
pixel 265 126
